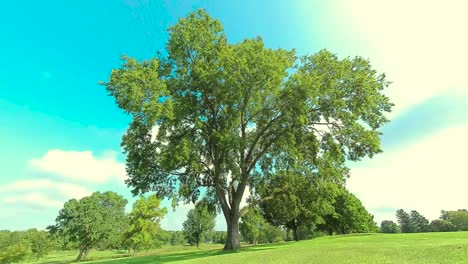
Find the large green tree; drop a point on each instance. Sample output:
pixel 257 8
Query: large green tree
pixel 227 113
pixel 294 200
pixel 200 222
pixel 144 223
pixel 91 220
pixel 348 216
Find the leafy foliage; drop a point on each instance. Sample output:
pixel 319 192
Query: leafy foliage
pixel 144 223
pixel 413 222
pixel 13 247
pixel 178 239
pixel 24 245
pixel 348 216
pixel 390 227
pixel 420 223
pixel 459 218
pixel 252 225
pixel 405 222
pixel 199 222
pixel 223 110
pixel 439 225
pixel 91 219
pixel 293 200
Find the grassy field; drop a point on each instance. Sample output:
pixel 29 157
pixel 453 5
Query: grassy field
pixel 421 248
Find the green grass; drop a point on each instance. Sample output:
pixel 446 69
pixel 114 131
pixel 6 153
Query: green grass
pixel 424 248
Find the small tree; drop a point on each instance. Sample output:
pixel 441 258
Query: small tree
pixel 90 220
pixel 420 223
pixel 40 242
pixel 13 247
pixel 144 223
pixel 388 226
pixel 439 225
pixel 273 234
pixel 200 221
pixel 219 237
pixel 252 224
pixel 405 222
pixel 178 239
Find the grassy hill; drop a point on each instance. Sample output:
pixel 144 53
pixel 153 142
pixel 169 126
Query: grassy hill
pixel 373 248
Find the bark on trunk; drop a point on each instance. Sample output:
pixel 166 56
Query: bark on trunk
pixel 82 254
pixel 295 234
pixel 232 239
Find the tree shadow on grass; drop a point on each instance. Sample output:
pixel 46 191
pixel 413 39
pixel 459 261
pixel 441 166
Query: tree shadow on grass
pixel 180 256
pixel 176 256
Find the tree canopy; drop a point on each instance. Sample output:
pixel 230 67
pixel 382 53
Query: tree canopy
pixel 91 220
pixel 200 222
pixel 252 225
pixel 292 199
pixel 227 114
pixel 348 216
pixel 144 223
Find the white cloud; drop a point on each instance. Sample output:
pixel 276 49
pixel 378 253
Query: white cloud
pixel 34 198
pixel 428 176
pixel 40 193
pixel 80 165
pixel 420 45
pixel 67 190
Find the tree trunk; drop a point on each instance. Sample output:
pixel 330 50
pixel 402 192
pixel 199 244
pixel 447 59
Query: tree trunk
pixel 82 254
pixel 232 239
pixel 295 233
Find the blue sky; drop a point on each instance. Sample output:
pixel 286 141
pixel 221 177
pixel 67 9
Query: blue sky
pixel 60 132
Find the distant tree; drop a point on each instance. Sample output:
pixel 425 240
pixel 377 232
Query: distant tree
pixel 390 227
pixel 405 222
pixel 200 221
pixel 40 241
pixel 14 247
pixel 439 225
pixel 293 199
pixel 206 96
pixel 219 237
pixel 252 225
pixel 273 234
pixel 348 216
pixel 144 224
pixel 420 223
pixel 458 218
pixel 90 220
pixel 163 237
pixel 178 239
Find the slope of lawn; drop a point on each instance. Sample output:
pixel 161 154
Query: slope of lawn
pixel 374 248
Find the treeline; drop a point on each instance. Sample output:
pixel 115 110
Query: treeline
pixel 288 206
pixel 31 244
pixel 99 222
pixel 414 222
